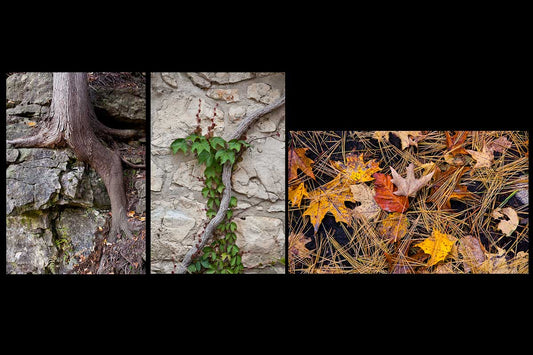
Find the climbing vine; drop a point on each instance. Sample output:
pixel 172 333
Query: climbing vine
pixel 222 255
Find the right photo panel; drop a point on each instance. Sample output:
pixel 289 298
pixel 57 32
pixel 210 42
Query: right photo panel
pixel 408 202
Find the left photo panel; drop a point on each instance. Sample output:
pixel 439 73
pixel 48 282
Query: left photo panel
pixel 75 173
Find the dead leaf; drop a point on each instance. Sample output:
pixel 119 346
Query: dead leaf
pixel 130 213
pixel 442 191
pixel 385 197
pixel 31 123
pixel 410 185
pixel 455 144
pixel 296 193
pixel 355 170
pixel 438 246
pixel 297 247
pixel 298 160
pixel 405 137
pixel 325 200
pixel 364 194
pixel 507 226
pixel 500 145
pixel 394 227
pixel 484 158
pixel 472 253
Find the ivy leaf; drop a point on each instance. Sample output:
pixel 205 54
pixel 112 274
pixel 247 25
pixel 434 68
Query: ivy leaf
pixel 217 141
pixel 211 213
pixel 201 145
pixel 234 145
pixel 232 226
pixel 205 191
pixel 210 172
pixel 225 155
pixel 233 201
pixel 178 144
pixel 193 137
pixel 206 158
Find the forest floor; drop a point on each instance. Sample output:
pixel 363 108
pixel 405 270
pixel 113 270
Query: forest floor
pixel 462 206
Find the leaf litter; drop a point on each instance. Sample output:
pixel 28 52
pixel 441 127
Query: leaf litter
pixel 408 202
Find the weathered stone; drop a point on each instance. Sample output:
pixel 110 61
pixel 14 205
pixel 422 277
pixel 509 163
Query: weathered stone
pixel 261 239
pixel 227 78
pixel 189 174
pixel 29 88
pixel 29 245
pixel 199 81
pixel 262 92
pixel 261 173
pixel 157 175
pixel 236 113
pixel 177 119
pixel 228 95
pixel 124 104
pixel 76 230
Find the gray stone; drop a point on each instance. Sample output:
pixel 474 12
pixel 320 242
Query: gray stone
pixel 29 244
pixel 29 88
pixel 262 92
pixel 199 80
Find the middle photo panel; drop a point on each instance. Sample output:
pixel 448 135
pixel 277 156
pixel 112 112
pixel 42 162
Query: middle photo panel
pixel 217 172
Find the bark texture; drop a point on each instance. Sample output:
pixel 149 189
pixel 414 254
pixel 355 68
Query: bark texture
pixel 72 122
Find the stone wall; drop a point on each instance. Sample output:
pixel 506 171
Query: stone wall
pixel 177 205
pixel 55 204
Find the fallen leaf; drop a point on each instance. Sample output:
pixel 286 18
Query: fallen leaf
pixel 455 144
pixel 31 123
pixel 297 247
pixel 507 226
pixel 355 170
pixel 130 213
pixel 438 246
pixel 410 185
pixel 405 137
pixel 298 160
pixel 484 158
pixel 296 193
pixel 364 194
pixel 325 200
pixel 472 253
pixel 394 227
pixel 499 145
pixel 385 197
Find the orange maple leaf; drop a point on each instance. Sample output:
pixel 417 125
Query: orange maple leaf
pixel 298 160
pixel 296 193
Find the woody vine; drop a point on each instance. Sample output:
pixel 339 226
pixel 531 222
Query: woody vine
pixel 222 255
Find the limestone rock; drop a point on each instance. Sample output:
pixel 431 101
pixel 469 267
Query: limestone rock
pixel 188 174
pixel 228 95
pixel 227 78
pixel 261 239
pixel 29 245
pixel 263 93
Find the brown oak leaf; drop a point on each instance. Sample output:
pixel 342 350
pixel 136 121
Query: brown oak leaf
pixel 409 186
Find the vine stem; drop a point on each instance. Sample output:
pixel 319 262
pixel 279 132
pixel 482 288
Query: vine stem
pixel 226 180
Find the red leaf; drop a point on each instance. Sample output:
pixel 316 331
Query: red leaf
pixel 384 194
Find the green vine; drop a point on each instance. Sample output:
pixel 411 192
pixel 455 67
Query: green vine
pixel 223 255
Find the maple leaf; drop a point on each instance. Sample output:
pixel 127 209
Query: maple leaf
pixel 500 145
pixel 296 193
pixel 506 226
pixel 385 197
pixel 438 245
pixel 356 170
pixel 394 227
pixel 404 136
pixel 410 185
pixel 297 248
pixel 298 160
pixel 484 158
pixel 364 194
pixel 455 144
pixel 328 200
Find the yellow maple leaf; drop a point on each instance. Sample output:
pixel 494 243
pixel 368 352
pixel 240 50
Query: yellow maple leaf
pixel 296 193
pixel 325 200
pixel 438 245
pixel 356 170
